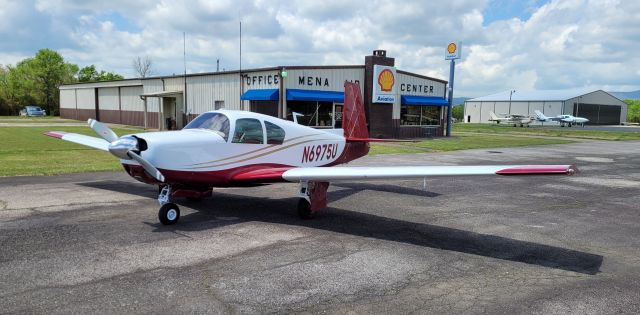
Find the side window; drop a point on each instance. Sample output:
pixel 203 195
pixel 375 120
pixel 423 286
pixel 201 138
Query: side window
pixel 248 130
pixel 275 134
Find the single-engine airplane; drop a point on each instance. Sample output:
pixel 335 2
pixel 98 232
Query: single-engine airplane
pixel 563 119
pixel 228 148
pixel 514 119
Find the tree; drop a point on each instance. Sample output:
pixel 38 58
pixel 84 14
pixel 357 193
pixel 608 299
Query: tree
pixel 90 74
pixel 142 66
pixel 36 80
pixel 458 112
pixel 633 111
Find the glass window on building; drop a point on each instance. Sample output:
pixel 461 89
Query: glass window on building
pixel 275 134
pixel 248 130
pixel 420 115
pixel 315 114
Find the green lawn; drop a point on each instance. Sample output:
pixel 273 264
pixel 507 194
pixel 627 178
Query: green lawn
pixel 45 119
pixel 552 131
pixel 461 142
pixel 26 151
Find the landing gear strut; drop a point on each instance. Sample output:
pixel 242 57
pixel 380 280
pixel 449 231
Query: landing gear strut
pixel 313 197
pixel 169 212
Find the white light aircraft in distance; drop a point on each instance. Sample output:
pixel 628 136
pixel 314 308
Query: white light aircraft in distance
pixel 514 119
pixel 229 148
pixel 563 119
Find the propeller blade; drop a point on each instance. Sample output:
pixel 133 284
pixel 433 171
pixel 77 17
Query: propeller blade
pixel 102 130
pixel 151 170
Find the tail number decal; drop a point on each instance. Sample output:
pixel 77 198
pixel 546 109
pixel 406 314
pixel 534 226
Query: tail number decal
pixel 320 152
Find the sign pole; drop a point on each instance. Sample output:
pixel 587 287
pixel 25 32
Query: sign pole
pixel 452 68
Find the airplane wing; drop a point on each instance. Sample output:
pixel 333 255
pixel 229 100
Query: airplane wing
pixel 93 142
pixel 331 174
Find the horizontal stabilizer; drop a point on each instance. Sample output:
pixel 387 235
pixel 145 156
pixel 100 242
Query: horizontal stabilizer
pixel 377 140
pixel 93 142
pixel 373 173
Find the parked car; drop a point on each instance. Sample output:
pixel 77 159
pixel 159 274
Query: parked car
pixel 33 111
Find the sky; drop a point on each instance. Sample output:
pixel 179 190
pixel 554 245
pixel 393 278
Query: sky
pixel 527 44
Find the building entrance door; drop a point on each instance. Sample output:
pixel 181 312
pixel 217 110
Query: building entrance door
pixel 169 113
pixel 337 115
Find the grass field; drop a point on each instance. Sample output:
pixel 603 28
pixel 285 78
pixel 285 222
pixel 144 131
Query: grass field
pixel 553 131
pixel 26 151
pixel 45 119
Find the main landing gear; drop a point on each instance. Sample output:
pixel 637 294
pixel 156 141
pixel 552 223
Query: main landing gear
pixel 313 197
pixel 169 212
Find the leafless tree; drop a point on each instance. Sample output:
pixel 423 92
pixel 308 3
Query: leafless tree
pixel 142 66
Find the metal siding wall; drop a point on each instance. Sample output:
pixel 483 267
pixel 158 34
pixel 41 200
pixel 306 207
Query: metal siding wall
pixel 472 109
pixel 485 107
pixel 500 108
pixel 520 108
pixel 86 99
pixel 150 86
pixel 334 77
pixel 108 98
pixel 203 91
pixel 438 87
pixel 68 99
pixel 130 98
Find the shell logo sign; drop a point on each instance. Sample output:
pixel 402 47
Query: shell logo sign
pixel 453 51
pixel 384 84
pixel 386 80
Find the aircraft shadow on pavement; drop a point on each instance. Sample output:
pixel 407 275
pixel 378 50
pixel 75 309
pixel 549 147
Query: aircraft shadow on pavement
pixel 282 211
pixel 228 209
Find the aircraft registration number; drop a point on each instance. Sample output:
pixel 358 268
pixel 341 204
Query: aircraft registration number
pixel 320 152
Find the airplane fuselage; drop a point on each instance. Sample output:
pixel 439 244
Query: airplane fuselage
pixel 212 157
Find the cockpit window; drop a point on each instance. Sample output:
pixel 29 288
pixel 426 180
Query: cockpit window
pixel 215 122
pixel 248 130
pixel 275 134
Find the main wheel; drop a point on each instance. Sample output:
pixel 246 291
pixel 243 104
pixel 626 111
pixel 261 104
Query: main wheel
pixel 304 209
pixel 169 213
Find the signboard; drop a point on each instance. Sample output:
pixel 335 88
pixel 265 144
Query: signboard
pixel 384 84
pixel 454 51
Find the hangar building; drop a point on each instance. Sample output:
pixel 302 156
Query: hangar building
pixel 600 107
pixel 399 104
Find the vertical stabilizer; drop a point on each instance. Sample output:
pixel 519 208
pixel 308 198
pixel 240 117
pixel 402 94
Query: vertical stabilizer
pixel 354 121
pixel 541 116
pixel 494 117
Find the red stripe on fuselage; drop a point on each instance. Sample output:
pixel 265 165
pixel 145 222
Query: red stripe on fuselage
pixel 237 176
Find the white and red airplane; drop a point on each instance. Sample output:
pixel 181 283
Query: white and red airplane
pixel 238 148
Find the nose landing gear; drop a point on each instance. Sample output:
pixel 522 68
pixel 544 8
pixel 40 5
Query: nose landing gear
pixel 169 212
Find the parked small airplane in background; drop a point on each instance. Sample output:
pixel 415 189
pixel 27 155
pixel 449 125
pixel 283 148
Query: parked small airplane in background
pixel 514 119
pixel 239 148
pixel 563 119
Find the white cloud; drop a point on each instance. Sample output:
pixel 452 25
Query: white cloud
pixel 564 44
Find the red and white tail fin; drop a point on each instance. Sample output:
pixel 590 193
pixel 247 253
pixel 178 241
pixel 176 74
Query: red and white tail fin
pixel 354 121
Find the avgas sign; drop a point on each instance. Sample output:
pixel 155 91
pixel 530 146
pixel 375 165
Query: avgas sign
pixel 384 84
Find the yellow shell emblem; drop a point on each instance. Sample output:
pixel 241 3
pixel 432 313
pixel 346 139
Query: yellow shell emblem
pixel 451 48
pixel 386 80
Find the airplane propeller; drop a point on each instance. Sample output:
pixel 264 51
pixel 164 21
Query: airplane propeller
pixel 124 147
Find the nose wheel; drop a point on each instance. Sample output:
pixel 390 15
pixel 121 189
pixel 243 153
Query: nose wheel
pixel 169 212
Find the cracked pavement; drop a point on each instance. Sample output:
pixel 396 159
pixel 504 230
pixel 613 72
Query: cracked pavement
pixel 91 243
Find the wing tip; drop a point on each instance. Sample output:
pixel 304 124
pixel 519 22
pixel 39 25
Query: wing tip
pixel 539 170
pixel 55 134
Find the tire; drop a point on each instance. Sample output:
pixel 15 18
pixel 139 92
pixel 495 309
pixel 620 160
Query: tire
pixel 169 214
pixel 304 209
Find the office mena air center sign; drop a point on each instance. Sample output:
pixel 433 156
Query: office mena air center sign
pixel 384 84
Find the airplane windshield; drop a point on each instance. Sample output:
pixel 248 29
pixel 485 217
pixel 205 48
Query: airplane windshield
pixel 215 122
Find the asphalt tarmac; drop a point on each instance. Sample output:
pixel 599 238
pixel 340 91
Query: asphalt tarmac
pixel 92 243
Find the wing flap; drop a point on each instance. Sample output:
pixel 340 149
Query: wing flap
pixel 391 172
pixel 93 142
